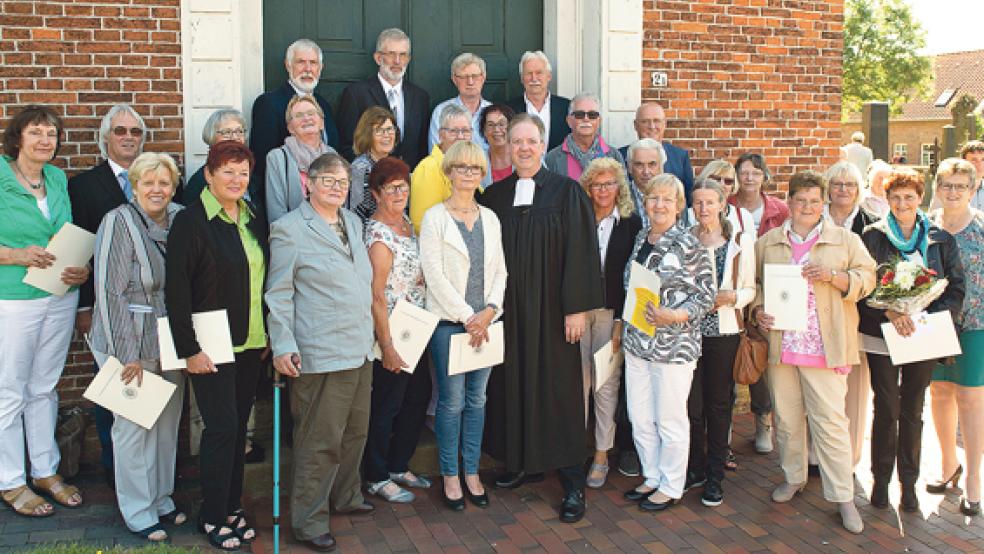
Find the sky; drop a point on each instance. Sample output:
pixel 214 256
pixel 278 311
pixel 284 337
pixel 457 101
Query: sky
pixel 951 25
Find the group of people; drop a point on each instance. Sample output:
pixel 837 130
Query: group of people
pixel 310 237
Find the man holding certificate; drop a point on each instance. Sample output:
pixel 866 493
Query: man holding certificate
pixel 809 360
pixel 461 252
pixel 536 398
pixel 904 235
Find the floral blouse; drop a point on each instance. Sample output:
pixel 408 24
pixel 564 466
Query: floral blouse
pixel 406 278
pixel 970 245
pixel 686 276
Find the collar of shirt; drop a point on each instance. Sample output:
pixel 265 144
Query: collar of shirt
pixel 530 108
pixel 525 189
pixel 297 91
pixel 613 217
pixel 787 227
pixel 388 87
pixel 850 218
pixel 213 208
pixel 117 168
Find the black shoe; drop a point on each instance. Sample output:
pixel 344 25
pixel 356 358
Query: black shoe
pixel 628 463
pixel 940 487
pixel 879 494
pixel 480 500
pixel 647 505
pixel 573 507
pixel 909 502
pixel 813 470
pixel 455 505
pixel 713 494
pixel 512 480
pixel 969 508
pixel 694 480
pixel 636 495
pixel 324 543
pixel 255 455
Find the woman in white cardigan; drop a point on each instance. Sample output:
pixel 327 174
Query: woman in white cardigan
pixel 465 272
pixel 709 405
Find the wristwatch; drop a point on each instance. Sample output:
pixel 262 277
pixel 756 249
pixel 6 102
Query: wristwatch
pixel 833 273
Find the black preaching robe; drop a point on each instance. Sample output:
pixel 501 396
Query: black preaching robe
pixel 535 409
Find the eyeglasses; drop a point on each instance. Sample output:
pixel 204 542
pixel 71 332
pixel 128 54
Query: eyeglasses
pixel 581 114
pixel 302 115
pixel 843 185
pixel 398 56
pixel 726 181
pixel 467 169
pixel 459 132
pixel 393 190
pixel 746 174
pixel 499 125
pixel 961 187
pixel 609 185
pixel 381 131
pixel 650 122
pixel 807 202
pixel 325 181
pixel 229 133
pixel 469 76
pixel 121 131
pixel 660 200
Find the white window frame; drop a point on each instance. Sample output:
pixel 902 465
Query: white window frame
pixel 900 149
pixel 925 153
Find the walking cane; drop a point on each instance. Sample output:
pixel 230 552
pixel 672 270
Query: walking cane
pixel 277 385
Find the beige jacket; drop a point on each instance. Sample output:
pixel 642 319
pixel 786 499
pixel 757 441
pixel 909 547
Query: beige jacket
pixel 746 291
pixel 837 312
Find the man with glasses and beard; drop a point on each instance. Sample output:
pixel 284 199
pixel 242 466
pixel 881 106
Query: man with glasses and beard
pixel 269 126
pixel 390 89
pixel 584 143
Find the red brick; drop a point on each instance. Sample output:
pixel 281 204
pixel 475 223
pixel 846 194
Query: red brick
pixel 46 34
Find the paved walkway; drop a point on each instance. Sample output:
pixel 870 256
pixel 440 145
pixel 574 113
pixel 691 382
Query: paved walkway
pixel 526 519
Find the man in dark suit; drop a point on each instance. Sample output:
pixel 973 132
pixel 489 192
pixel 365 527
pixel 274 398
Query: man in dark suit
pixel 409 103
pixel 650 122
pixel 93 193
pixel 535 72
pixel 269 126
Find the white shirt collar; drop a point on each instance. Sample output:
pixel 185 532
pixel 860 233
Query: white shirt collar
pixel 298 91
pixel 850 218
pixel 117 168
pixel 531 108
pixel 787 228
pixel 525 189
pixel 614 216
pixel 388 87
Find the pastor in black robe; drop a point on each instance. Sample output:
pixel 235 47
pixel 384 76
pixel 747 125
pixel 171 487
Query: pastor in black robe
pixel 535 407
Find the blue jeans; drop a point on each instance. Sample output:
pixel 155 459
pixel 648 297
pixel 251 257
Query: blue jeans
pixel 460 406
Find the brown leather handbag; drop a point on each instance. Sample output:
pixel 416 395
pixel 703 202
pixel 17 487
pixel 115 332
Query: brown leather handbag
pixel 753 347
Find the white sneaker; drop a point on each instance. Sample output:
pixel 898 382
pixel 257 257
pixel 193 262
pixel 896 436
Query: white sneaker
pixel 390 491
pixel 763 434
pixel 850 517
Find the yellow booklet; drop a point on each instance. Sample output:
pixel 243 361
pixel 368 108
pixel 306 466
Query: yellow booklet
pixel 644 287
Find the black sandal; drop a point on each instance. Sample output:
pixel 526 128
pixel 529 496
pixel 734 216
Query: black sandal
pixel 146 533
pixel 172 517
pixel 216 539
pixel 240 531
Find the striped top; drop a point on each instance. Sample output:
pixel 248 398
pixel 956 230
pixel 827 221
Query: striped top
pixel 129 284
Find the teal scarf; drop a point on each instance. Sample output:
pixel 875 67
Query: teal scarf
pixel 919 239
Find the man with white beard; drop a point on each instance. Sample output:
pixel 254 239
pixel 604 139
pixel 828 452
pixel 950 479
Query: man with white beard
pixel 269 128
pixel 389 89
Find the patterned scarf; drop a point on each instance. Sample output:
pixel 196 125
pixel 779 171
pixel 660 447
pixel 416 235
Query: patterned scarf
pixel 584 158
pixel 304 154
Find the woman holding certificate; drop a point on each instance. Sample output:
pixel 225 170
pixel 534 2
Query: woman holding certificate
pixel 900 391
pixel 465 270
pixel 957 390
pixel 35 326
pixel 662 349
pixel 129 286
pixel 216 260
pixel 399 398
pixel 809 360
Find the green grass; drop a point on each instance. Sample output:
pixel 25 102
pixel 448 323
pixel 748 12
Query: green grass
pixel 87 549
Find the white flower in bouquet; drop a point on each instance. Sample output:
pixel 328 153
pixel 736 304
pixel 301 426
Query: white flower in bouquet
pixel 905 274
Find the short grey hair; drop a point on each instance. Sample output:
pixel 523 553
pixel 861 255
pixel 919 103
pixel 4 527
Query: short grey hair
pixel 524 117
pixel 450 112
pixel 583 96
pixel 392 34
pixel 646 144
pixel 466 59
pixel 857 136
pixel 535 55
pixel 106 126
pixel 302 44
pixel 214 121
pixel 844 169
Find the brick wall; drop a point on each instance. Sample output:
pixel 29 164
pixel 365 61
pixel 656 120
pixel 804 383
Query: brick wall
pixel 80 58
pixel 748 75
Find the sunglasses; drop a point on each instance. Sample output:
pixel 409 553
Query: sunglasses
pixel 121 131
pixel 581 114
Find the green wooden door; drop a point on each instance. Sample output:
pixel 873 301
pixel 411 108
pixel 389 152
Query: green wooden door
pixel 497 30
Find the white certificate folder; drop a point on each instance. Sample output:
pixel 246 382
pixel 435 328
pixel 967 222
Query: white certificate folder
pixel 71 246
pixel 786 296
pixel 463 358
pixel 212 333
pixel 411 329
pixel 934 338
pixel 141 405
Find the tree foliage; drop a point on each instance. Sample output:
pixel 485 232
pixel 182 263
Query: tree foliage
pixel 881 55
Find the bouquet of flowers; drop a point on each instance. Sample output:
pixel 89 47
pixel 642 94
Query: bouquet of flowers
pixel 906 287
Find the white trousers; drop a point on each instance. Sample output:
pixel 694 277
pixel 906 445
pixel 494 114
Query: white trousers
pixel 657 402
pixel 143 460
pixel 597 332
pixel 34 339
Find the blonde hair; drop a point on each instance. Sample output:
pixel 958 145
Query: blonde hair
pixel 297 100
pixel 600 166
pixel 841 170
pixel 720 168
pixel 149 162
pixel 670 181
pixel 464 152
pixel 956 166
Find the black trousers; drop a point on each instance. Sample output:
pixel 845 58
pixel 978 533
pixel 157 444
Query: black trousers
pixel 224 400
pixel 896 429
pixel 572 478
pixel 398 410
pixel 761 402
pixel 709 406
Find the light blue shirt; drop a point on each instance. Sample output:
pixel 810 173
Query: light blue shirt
pixel 435 125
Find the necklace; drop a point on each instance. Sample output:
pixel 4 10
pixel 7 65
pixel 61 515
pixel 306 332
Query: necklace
pixel 400 227
pixel 469 210
pixel 34 186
